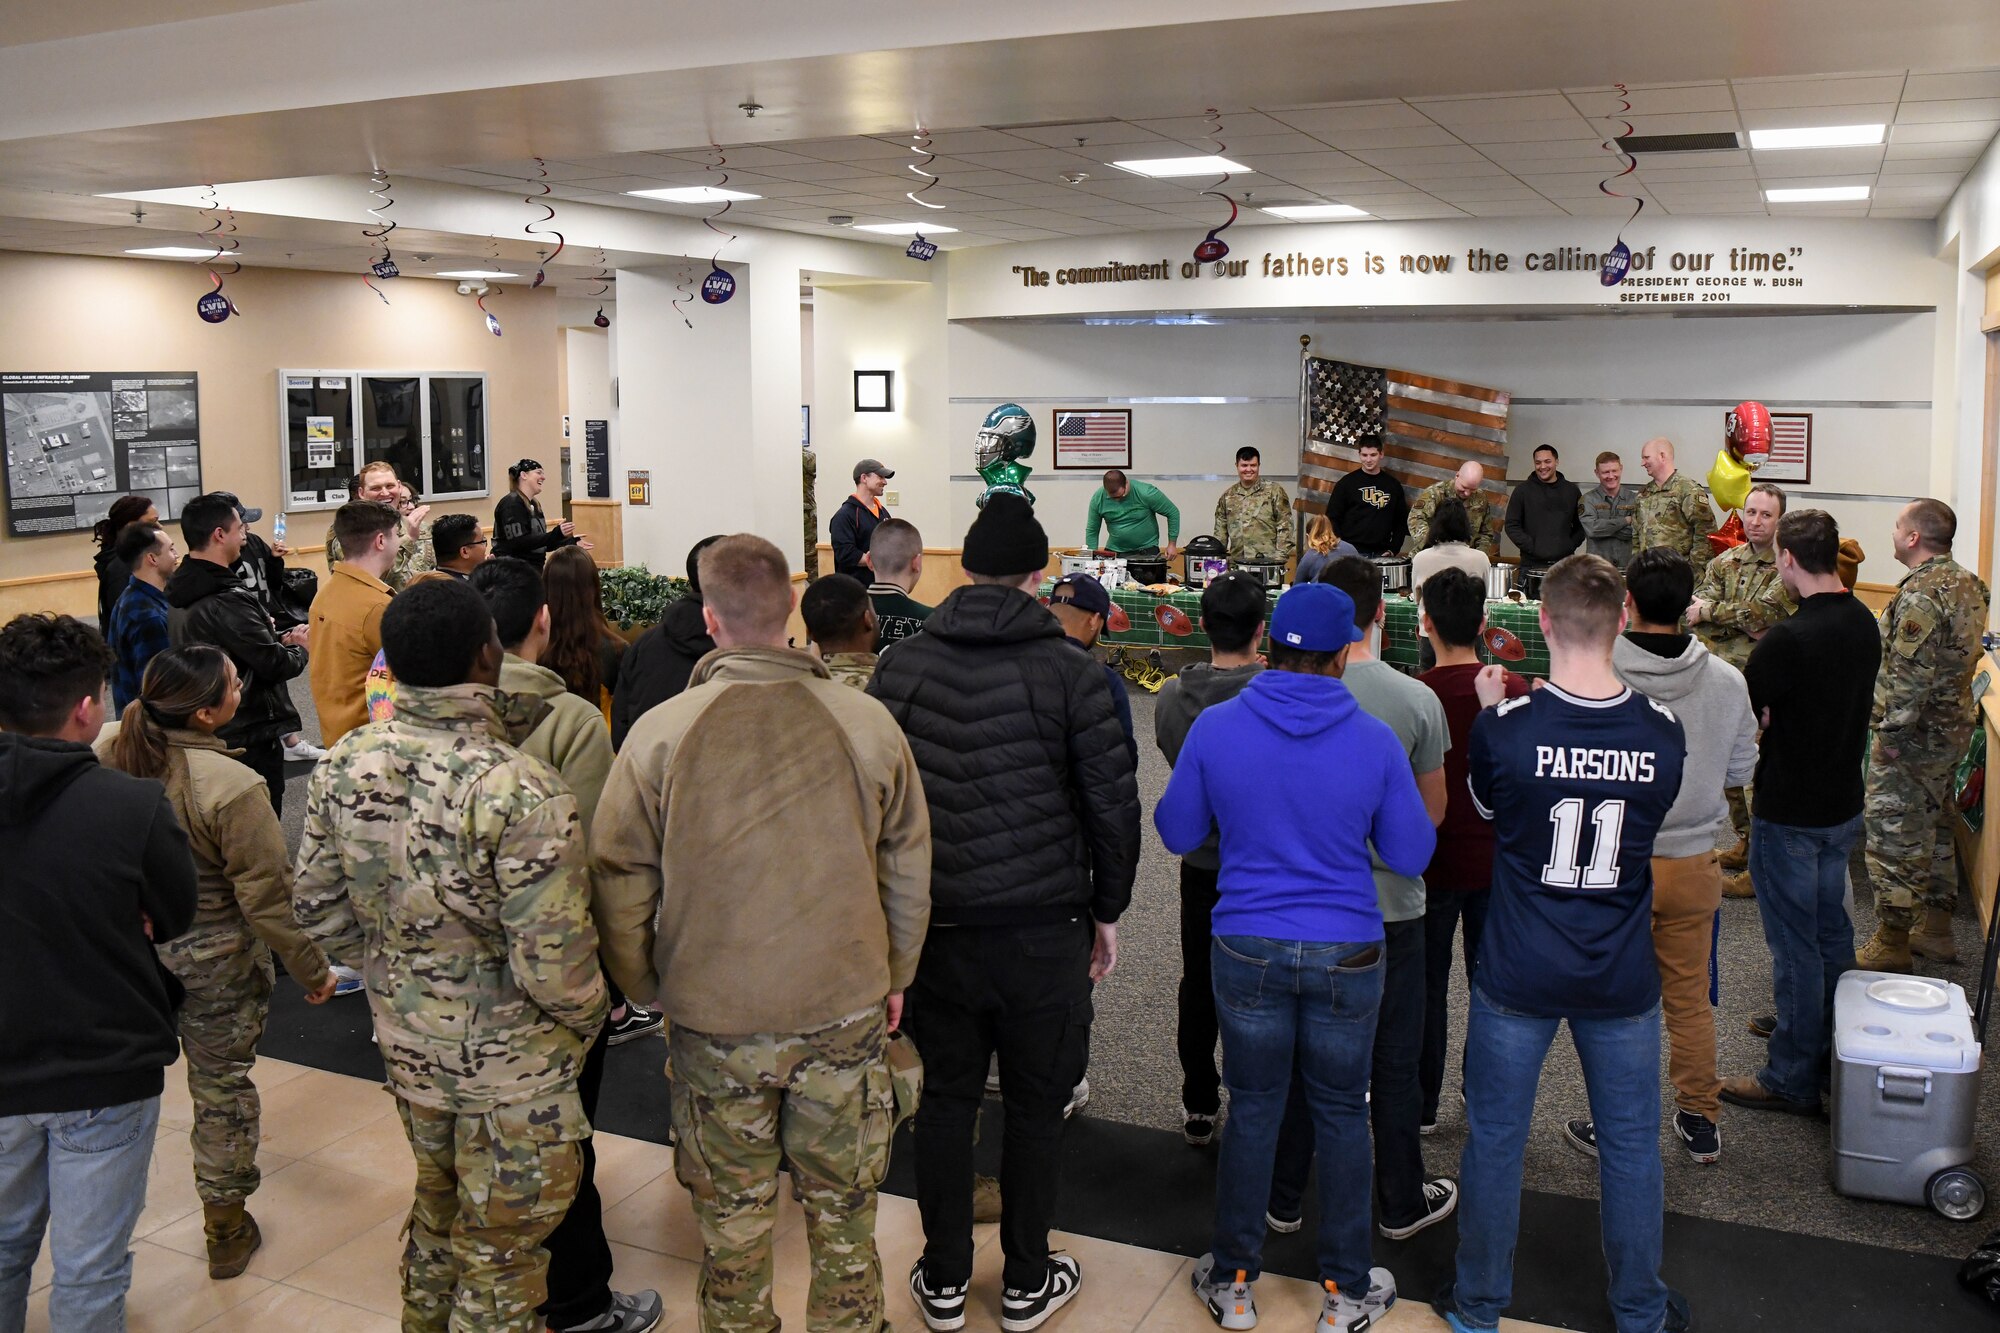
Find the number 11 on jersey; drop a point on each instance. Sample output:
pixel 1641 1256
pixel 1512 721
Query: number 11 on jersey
pixel 1562 870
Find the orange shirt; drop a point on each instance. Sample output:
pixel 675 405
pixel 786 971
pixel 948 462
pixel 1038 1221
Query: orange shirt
pixel 346 623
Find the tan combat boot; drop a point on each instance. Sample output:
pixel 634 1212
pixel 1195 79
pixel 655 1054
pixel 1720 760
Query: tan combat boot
pixel 1736 858
pixel 985 1199
pixel 232 1238
pixel 1888 950
pixel 1739 886
pixel 1933 939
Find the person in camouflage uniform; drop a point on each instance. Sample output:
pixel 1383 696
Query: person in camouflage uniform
pixel 448 866
pixel 417 554
pixel 1463 487
pixel 811 465
pixel 242 916
pixel 1253 519
pixel 1739 597
pixel 1922 721
pixel 1673 508
pixel 840 621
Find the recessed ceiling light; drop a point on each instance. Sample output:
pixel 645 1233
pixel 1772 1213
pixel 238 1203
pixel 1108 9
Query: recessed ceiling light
pixel 693 194
pixel 1206 165
pixel 478 273
pixel 1825 136
pixel 1314 212
pixel 176 252
pixel 904 228
pixel 1824 194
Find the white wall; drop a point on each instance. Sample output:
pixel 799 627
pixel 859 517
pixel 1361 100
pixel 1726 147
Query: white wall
pixel 587 359
pixel 1636 373
pixel 1969 231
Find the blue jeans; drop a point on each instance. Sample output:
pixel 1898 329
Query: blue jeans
pixel 1504 1052
pixel 1801 878
pixel 1280 1001
pixel 92 1164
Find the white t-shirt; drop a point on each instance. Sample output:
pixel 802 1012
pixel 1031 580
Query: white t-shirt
pixel 1448 555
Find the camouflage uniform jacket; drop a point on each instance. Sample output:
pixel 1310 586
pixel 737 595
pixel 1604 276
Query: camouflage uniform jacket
pixel 243 874
pixel 1607 523
pixel 415 556
pixel 1930 649
pixel 1744 596
pixel 1255 522
pixel 1675 515
pixel 450 868
pixel 1478 508
pixel 855 669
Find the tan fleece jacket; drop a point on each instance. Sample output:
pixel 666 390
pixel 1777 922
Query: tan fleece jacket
pixel 571 738
pixel 762 851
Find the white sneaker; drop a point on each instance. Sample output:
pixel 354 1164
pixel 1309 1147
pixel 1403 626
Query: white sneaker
pixel 303 752
pixel 1079 1097
pixel 346 981
pixel 1342 1313
pixel 1230 1300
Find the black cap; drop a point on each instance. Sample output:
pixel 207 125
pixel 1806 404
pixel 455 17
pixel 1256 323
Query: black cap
pixel 1006 539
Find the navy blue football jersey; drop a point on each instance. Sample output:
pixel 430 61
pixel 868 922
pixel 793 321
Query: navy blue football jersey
pixel 1576 789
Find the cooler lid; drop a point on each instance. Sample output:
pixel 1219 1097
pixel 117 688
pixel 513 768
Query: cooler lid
pixel 1880 1019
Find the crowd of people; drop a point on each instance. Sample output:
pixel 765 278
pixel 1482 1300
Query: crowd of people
pixel 538 832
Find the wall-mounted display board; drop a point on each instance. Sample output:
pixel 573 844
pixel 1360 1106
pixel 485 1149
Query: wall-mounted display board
pixel 597 459
pixel 77 441
pixel 429 425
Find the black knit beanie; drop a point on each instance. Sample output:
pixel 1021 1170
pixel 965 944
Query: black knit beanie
pixel 1006 539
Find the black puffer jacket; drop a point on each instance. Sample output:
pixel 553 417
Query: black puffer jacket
pixel 209 604
pixel 1034 802
pixel 657 665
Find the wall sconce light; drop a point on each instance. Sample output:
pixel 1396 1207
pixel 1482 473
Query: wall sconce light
pixel 874 390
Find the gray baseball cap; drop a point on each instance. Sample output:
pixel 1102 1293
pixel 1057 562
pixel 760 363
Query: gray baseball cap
pixel 875 465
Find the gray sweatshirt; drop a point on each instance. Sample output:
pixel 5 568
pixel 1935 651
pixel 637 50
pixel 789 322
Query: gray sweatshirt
pixel 1178 704
pixel 1713 704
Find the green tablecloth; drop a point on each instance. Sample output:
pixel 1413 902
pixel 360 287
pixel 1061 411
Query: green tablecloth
pixel 1399 628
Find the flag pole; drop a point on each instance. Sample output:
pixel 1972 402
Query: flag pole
pixel 1305 430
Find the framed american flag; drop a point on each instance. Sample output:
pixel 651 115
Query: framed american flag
pixel 1093 439
pixel 1791 450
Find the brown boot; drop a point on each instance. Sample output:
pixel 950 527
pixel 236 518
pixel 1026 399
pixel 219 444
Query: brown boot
pixel 1933 939
pixel 1736 858
pixel 985 1199
pixel 1888 950
pixel 232 1238
pixel 1739 886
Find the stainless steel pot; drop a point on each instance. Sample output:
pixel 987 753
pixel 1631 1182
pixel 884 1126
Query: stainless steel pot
pixel 1499 581
pixel 1395 570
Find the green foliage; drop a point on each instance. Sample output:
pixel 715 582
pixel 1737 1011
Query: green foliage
pixel 635 596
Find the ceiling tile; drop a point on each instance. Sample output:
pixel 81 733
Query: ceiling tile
pixel 1429 171
pixel 1916 156
pixel 1252 149
pixel 1524 154
pixel 958 142
pixel 1802 117
pixel 1941 87
pixel 1813 182
pixel 1654 101
pixel 1960 108
pixel 1978 132
pixel 1917 211
pixel 825 171
pixel 1901 166
pixel 847 150
pixel 1817 91
pixel 1455 112
pixel 1653 175
pixel 1389 159
pixel 1236 124
pixel 756 157
pixel 1529 206
pixel 1327 123
pixel 1048 161
pixel 1324 160
pixel 1733 157
pixel 1817 210
pixel 1095 133
pixel 1416 212
pixel 1686 122
pixel 1409 136
pixel 1818 161
pixel 1574 130
pixel 1942 180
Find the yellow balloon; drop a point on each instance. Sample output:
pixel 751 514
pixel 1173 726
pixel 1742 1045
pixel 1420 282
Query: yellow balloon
pixel 1728 481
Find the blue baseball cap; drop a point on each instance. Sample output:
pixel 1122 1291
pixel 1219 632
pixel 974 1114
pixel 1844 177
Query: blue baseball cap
pixel 1314 618
pixel 1084 592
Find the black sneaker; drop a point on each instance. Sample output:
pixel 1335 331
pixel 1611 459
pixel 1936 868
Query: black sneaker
pixel 1581 1135
pixel 1023 1310
pixel 638 1021
pixel 1763 1025
pixel 1428 1125
pixel 1440 1202
pixel 1701 1136
pixel 1198 1129
pixel 943 1308
pixel 1679 1318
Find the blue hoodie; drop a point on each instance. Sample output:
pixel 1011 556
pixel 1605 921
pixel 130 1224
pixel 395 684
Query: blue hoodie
pixel 1299 781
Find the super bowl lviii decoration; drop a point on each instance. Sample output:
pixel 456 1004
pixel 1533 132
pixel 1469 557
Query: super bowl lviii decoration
pixel 1006 440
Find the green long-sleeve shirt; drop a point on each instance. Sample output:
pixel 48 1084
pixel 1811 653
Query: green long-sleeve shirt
pixel 1133 522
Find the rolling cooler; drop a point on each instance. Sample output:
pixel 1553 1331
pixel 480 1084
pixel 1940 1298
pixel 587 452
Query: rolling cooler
pixel 1905 1092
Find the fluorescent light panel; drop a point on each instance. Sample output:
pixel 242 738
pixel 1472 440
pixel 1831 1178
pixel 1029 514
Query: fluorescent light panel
pixel 1824 136
pixel 1315 212
pixel 693 194
pixel 1824 194
pixel 1206 165
pixel 176 252
pixel 478 273
pixel 904 228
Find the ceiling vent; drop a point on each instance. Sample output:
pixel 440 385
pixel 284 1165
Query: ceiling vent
pixel 1679 143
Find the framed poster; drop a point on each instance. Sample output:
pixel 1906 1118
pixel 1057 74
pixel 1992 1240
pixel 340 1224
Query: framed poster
pixel 77 441
pixel 597 459
pixel 1790 462
pixel 1093 439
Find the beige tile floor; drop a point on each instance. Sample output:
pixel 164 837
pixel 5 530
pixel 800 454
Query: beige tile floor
pixel 337 1181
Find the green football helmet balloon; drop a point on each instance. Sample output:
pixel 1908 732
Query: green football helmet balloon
pixel 1006 438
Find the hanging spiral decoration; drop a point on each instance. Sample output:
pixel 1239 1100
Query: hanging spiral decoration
pixel 719 285
pixel 541 200
pixel 1213 247
pixel 684 284
pixel 603 279
pixel 1618 260
pixel 212 306
pixel 920 144
pixel 385 266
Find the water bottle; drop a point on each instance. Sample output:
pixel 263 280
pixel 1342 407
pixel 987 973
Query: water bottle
pixel 278 526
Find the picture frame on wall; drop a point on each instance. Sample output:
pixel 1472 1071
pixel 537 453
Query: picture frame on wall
pixel 1790 463
pixel 1092 439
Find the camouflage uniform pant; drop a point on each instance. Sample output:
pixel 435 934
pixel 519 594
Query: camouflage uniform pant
pixel 490 1188
pixel 822 1099
pixel 1907 818
pixel 228 979
pixel 1739 809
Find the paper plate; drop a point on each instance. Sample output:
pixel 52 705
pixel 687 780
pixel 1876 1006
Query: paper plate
pixel 1117 622
pixel 1173 620
pixel 1504 644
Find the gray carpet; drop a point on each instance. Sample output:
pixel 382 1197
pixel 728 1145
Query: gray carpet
pixel 1774 1170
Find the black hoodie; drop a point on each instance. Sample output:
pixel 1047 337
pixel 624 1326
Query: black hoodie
pixel 211 604
pixel 656 667
pixel 1034 802
pixel 1543 519
pixel 86 1012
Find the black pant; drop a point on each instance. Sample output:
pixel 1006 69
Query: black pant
pixel 1025 992
pixel 1392 1095
pixel 1195 1033
pixel 579 1256
pixel 267 759
pixel 1441 918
